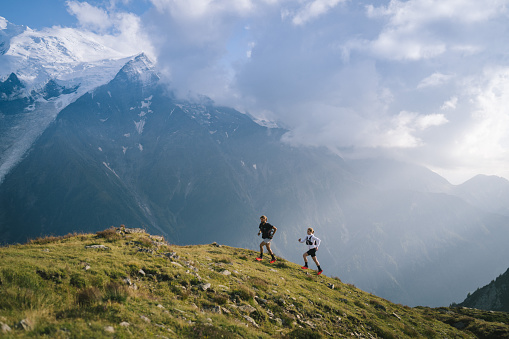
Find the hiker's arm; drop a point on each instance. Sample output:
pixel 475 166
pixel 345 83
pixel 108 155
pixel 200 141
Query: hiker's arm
pixel 318 241
pixel 274 229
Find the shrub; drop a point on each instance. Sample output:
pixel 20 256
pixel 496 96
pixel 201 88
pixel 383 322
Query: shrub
pixel 78 281
pixel 145 242
pixel 133 268
pixel 89 296
pixel 224 260
pixel 281 264
pixel 220 299
pixel 259 317
pixel 259 283
pixel 109 234
pixel 51 274
pixel 303 333
pixel 243 292
pixel 116 292
pixel 410 331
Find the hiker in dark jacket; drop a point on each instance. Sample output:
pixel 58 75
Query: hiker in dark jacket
pixel 267 231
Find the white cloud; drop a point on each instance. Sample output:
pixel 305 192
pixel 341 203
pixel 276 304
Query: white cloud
pixel 421 29
pixel 313 10
pixel 435 79
pixel 118 30
pixel 90 17
pixel 450 104
pixel 196 9
pixel 486 136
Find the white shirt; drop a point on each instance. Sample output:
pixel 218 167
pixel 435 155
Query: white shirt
pixel 311 241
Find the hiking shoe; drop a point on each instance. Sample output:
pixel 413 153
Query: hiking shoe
pixel 259 259
pixel 319 272
pixel 304 267
pixel 273 261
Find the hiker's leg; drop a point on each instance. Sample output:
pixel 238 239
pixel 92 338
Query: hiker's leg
pixel 261 248
pixel 315 259
pixel 305 256
pixel 269 250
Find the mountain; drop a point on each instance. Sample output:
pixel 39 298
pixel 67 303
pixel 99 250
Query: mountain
pixel 110 148
pixel 490 193
pixel 130 152
pixel 124 282
pixel 492 297
pixel 41 72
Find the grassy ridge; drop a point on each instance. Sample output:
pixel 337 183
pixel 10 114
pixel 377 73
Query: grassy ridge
pixel 122 284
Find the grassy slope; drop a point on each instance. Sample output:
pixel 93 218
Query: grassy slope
pixel 58 288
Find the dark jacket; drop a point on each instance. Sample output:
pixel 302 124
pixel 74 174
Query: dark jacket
pixel 266 230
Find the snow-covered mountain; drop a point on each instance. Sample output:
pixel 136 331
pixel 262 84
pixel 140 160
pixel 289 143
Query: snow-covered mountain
pixel 53 68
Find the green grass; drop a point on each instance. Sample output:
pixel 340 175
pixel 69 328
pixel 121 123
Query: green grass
pixel 63 289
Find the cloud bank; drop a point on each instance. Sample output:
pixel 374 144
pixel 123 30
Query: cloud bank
pixel 421 80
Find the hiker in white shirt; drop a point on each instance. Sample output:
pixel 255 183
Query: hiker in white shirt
pixel 313 244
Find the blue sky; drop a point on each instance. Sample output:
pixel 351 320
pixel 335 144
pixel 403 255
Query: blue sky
pixel 425 81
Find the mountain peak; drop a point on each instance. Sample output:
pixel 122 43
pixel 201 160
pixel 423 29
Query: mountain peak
pixel 7 31
pixel 141 69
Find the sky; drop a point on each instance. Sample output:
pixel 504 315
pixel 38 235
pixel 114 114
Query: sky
pixel 423 81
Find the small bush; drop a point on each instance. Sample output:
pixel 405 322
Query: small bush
pixel 78 281
pixel 114 274
pixel 88 296
pixel 224 260
pixel 303 333
pixel 145 242
pixel 116 292
pixel 281 264
pixel 51 275
pixel 220 299
pixel 360 304
pixel 259 317
pixel 259 283
pixel 243 292
pixel 410 331
pixel 96 280
pixel 133 268
pixel 109 234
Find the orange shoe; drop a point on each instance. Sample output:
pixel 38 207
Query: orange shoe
pixel 273 261
pixel 304 267
pixel 259 259
pixel 319 272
